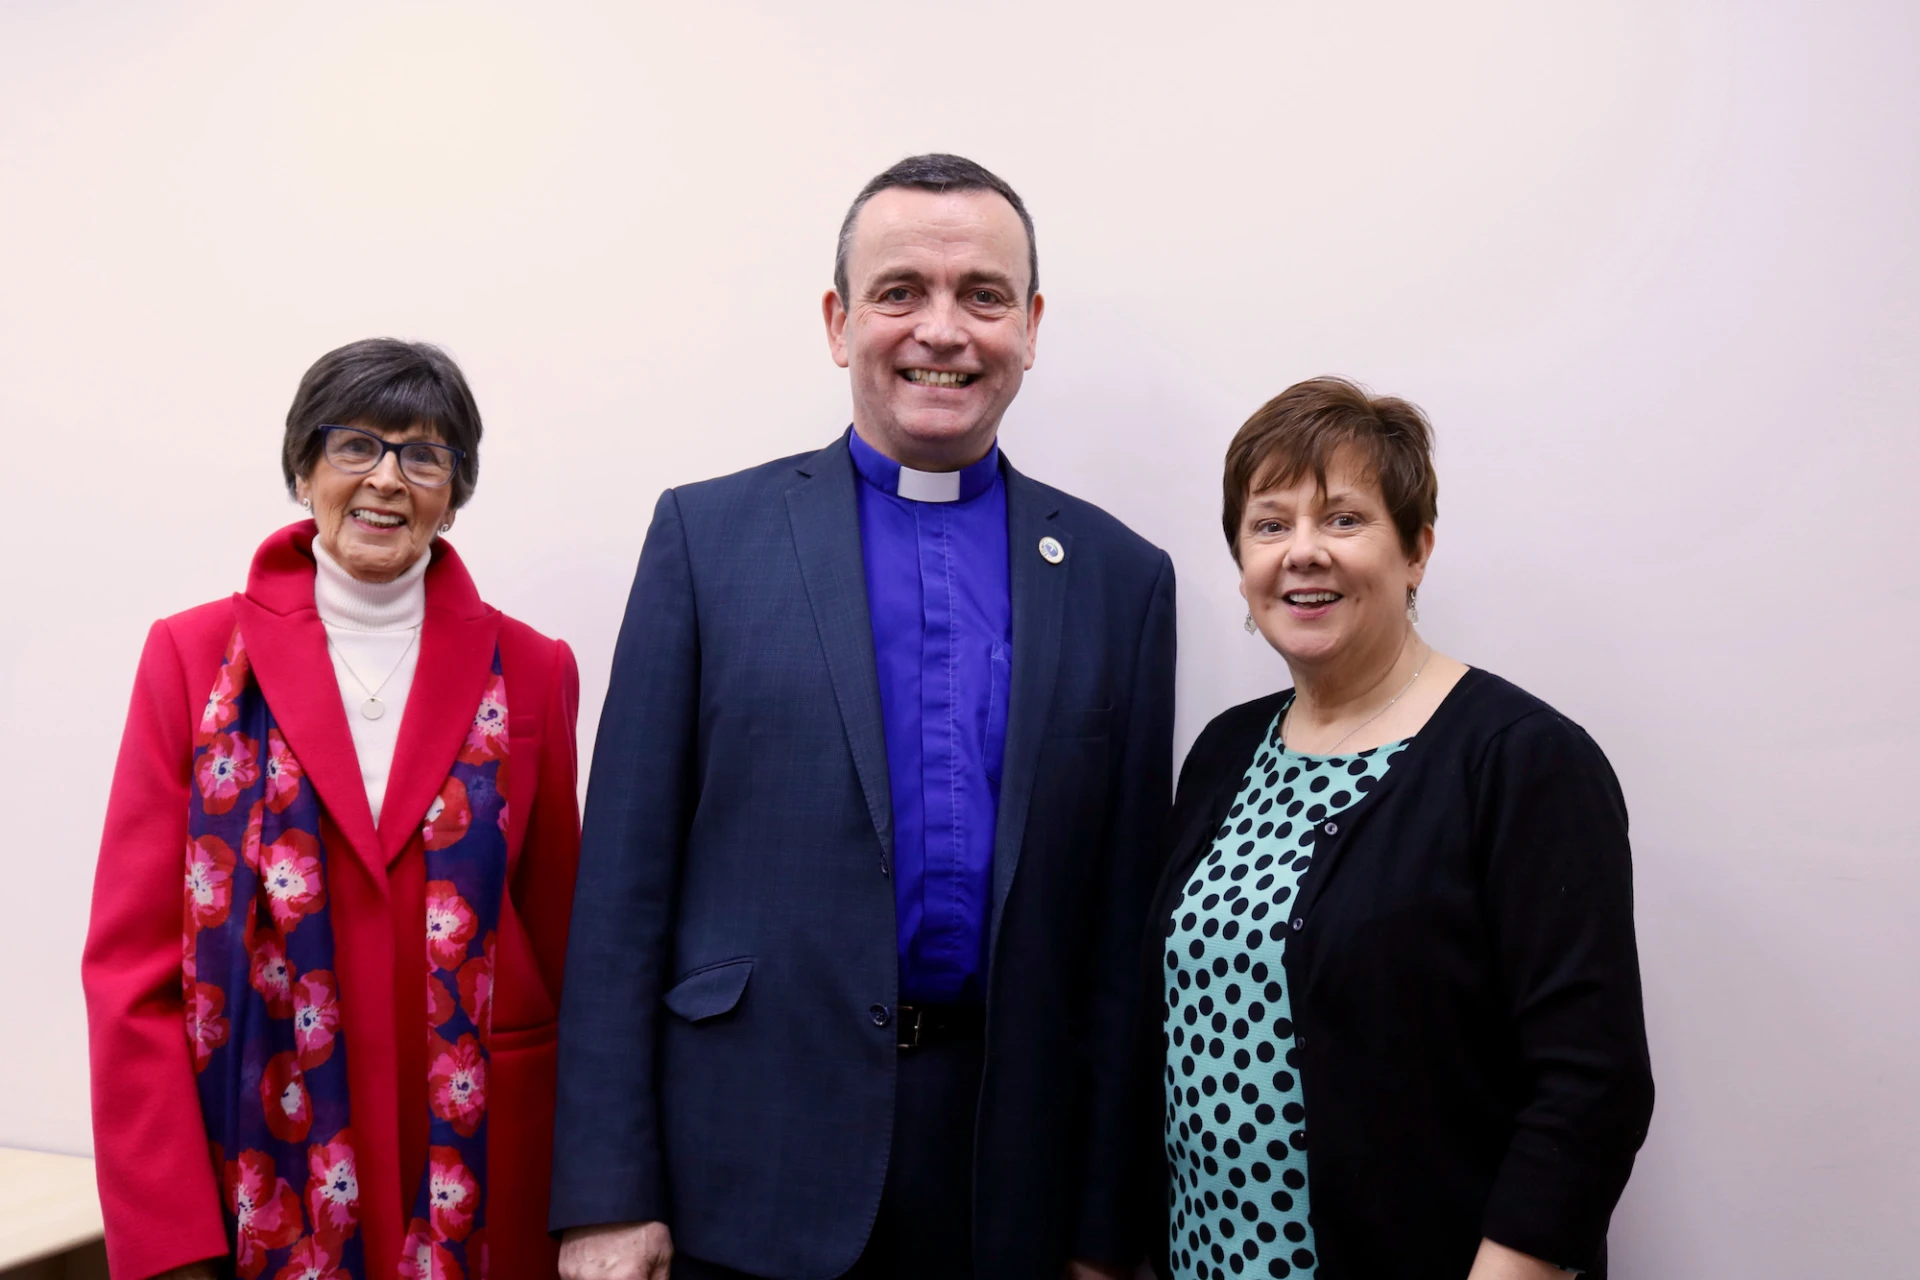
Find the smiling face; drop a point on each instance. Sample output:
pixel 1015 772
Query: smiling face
pixel 1324 574
pixel 376 525
pixel 936 329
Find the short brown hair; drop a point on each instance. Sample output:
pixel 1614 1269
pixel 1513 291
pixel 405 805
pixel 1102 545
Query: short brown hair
pixel 389 384
pixel 1301 429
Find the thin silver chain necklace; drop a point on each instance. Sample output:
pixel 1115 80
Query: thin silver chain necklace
pixel 1335 749
pixel 372 708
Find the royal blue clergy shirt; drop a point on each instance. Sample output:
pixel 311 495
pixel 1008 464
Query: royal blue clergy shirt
pixel 934 547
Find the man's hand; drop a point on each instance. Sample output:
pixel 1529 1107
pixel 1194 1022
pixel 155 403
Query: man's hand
pixel 617 1251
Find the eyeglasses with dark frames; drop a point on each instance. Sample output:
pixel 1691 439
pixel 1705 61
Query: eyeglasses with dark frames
pixel 357 451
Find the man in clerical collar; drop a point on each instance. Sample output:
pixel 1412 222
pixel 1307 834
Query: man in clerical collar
pixel 875 812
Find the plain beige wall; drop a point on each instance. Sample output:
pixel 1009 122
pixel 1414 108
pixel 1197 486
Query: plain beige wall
pixel 1651 267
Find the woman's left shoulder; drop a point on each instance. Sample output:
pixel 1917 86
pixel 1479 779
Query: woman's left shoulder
pixel 1500 718
pixel 526 639
pixel 527 652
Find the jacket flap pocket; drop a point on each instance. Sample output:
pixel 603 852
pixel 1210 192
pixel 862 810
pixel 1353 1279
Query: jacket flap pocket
pixel 712 991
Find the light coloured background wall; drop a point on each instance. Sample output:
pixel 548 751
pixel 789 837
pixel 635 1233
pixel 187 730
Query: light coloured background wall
pixel 1652 268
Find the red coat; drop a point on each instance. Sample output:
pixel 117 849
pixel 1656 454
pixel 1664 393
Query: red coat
pixel 158 1189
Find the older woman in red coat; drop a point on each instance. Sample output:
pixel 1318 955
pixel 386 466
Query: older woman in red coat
pixel 332 899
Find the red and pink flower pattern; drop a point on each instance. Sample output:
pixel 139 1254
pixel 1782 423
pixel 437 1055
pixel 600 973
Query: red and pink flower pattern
pixel 457 1083
pixel 448 817
pixel 283 773
pixel 290 873
pixel 250 842
pixel 453 1196
pixel 311 1259
pixel 222 707
pixel 451 924
pixel 476 989
pixel 440 1002
pixel 270 975
pixel 333 1188
pixel 424 1258
pixel 206 1028
pixel 487 739
pixel 284 1097
pixel 209 881
pixel 265 1210
pixel 226 767
pixel 316 1017
pixel 258 979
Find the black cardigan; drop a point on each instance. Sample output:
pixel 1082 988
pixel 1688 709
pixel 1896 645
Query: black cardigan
pixel 1465 989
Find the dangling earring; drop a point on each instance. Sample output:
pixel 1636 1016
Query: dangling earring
pixel 1249 622
pixel 1413 604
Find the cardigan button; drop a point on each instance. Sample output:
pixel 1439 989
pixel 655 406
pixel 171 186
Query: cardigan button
pixel 1298 924
pixel 1332 828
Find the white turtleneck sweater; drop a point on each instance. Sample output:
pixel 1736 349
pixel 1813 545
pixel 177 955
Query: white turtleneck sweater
pixel 372 630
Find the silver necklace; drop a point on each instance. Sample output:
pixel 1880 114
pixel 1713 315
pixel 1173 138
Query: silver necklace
pixel 1335 750
pixel 372 708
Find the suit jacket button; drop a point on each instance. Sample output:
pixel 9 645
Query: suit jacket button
pixel 1332 828
pixel 880 1015
pixel 1298 924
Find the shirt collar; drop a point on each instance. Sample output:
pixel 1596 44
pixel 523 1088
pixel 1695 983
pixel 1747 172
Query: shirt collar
pixel 888 476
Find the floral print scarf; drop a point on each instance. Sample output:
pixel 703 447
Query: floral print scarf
pixel 263 1004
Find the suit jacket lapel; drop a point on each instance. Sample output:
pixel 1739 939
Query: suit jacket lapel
pixel 1039 604
pixel 287 646
pixel 456 656
pixel 823 510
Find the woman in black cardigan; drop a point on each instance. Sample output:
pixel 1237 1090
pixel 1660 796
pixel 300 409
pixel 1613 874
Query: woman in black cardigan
pixel 1401 1030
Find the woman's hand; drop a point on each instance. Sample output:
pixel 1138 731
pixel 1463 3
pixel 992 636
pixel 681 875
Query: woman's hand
pixel 1497 1262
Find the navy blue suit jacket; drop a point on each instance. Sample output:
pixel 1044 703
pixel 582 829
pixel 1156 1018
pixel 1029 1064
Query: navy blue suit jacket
pixel 726 1057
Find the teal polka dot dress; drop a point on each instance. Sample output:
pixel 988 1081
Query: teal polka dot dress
pixel 1236 1118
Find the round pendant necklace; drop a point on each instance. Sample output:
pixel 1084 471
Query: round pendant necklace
pixel 372 708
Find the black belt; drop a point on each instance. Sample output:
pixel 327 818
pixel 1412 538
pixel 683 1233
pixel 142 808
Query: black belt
pixel 919 1024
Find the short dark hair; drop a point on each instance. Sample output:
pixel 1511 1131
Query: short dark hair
pixel 1301 429
pixel 936 171
pixel 389 384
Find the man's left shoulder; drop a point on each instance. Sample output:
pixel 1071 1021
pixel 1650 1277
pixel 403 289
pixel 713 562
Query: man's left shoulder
pixel 1097 531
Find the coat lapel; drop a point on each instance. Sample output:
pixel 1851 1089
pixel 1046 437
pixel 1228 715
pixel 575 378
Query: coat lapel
pixel 287 646
pixel 1039 604
pixel 824 512
pixel 457 643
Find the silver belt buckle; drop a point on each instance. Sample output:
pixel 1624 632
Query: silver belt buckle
pixel 910 1040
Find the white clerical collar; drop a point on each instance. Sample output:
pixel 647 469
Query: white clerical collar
pixel 928 486
pixel 888 476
